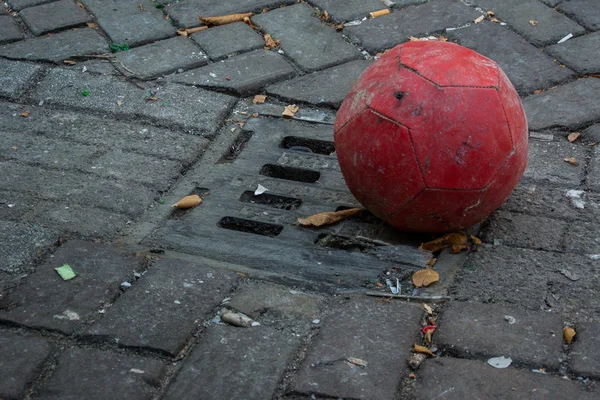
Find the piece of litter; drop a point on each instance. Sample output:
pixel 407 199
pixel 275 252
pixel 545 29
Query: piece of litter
pixel 177 302
pixel 84 69
pixel 539 371
pixel 69 315
pixel 126 284
pixel 316 321
pixel 388 3
pixel 533 22
pixel 397 289
pixel 357 361
pixel 479 19
pixel 236 319
pixel 510 319
pixel 136 371
pixel 290 110
pixel 576 197
pixel 260 190
pixel 594 257
pixel 254 323
pixel 571 275
pixel 66 272
pixel 353 23
pixel 379 13
pixel 500 362
pixel 186 202
pixel 568 334
pixel 569 36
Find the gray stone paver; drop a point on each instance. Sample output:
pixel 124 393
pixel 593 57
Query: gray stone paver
pixel 593 178
pixel 125 22
pixel 21 4
pixel 245 74
pixel 16 77
pixel 171 293
pixel 162 57
pixel 386 32
pixel 21 244
pixel 221 41
pixel 9 30
pixel 304 39
pixel 527 67
pixel 57 47
pixel 348 333
pixel 54 16
pixel 49 302
pixel 23 356
pixel 93 374
pixel 579 53
pixel 187 13
pixel 546 162
pixel 583 11
pixel 457 379
pixel 551 27
pixel 341 10
pixel 251 363
pixel 534 338
pixel 584 358
pixel 315 89
pixel 565 106
pixel 582 238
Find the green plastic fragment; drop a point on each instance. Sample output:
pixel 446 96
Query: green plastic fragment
pixel 65 272
pixel 116 47
pixel 161 201
pixel 85 92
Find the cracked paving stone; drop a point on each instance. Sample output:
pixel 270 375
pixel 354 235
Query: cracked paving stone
pixel 251 364
pixel 21 360
pixel 15 77
pixel 125 22
pixel 317 88
pixel 304 39
pixel 221 41
pixel 390 30
pixel 580 53
pixel 92 374
pixel 22 244
pixel 244 74
pixel 57 47
pixel 583 11
pixel 349 332
pixel 527 67
pixel 195 110
pixel 584 358
pixel 186 13
pixel 481 330
pixel 21 4
pixel 583 238
pixel 46 301
pixel 546 162
pixel 171 293
pixel 458 379
pixel 593 178
pixel 566 106
pixel 551 27
pixel 348 10
pixel 162 57
pixel 9 30
pixel 54 16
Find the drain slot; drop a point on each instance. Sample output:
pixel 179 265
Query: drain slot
pixel 235 148
pixel 249 226
pixel 271 200
pixel 290 173
pixel 316 146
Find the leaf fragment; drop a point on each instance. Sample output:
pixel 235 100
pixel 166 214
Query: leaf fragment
pixel 448 240
pixel 186 32
pixel 457 248
pixel 571 160
pixel 225 19
pixel 431 262
pixel 357 361
pixel 533 22
pixel 69 62
pixel 25 114
pixel 290 110
pixel 490 13
pixel 328 218
pixel 271 43
pixel 259 99
pixel 428 308
pixel 92 25
pixel 186 202
pixel 412 375
pixel 494 19
pixel 476 241
pixel 573 136
pixel 425 277
pixel 569 334
pixel 479 19
pixel 423 350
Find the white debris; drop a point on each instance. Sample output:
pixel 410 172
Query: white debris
pixel 260 190
pixel 594 257
pixel 136 371
pixel 237 319
pixel 68 314
pixel 84 69
pixel 576 197
pixel 510 319
pixel 316 321
pixel 212 74
pixel 255 323
pixel 499 362
pixel 569 36
pixel 125 284
pixel 388 3
pixel 177 302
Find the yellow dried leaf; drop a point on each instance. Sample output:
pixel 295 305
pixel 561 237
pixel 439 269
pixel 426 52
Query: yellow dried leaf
pixel 69 62
pixel 496 20
pixel 271 43
pixel 225 19
pixel 571 160
pixel 92 25
pixel 425 277
pixel 259 99
pixel 25 114
pixel 431 262
pixel 479 19
pixel 573 136
pixel 428 308
pixel 379 13
pixel 569 334
pixel 423 350
pixel 447 240
pixel 290 110
pixel 533 22
pixel 190 201
pixel 328 218
pixel 476 241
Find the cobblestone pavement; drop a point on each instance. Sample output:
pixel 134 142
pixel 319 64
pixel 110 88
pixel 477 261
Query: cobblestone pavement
pixel 95 146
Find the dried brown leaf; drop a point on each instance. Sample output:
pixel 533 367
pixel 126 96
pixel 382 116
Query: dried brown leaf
pixel 476 241
pixel 357 361
pixel 339 27
pixel 533 22
pixel 447 240
pixel 457 248
pixel 153 98
pixel 569 334
pixel 573 136
pixel 69 62
pixel 428 308
pixel 496 20
pixel 190 201
pixel 432 321
pixel 141 7
pixel 328 218
pixel 290 110
pixel 571 160
pixel 425 277
pixel 538 91
pixel 423 350
pixel 259 99
pixel 431 262
pixel 412 375
pixel 92 25
pixel 442 38
pixel 224 19
pixel 25 114
pixel 490 13
pixel 186 32
pixel 271 43
pixel 428 336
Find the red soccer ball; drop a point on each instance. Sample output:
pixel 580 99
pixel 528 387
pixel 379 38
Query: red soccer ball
pixel 432 137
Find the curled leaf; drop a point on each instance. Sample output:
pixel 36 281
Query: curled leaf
pixel 425 277
pixel 290 110
pixel 573 136
pixel 328 218
pixel 456 238
pixel 186 32
pixel 25 114
pixel 188 202
pixel 571 160
pixel 423 350
pixel 357 361
pixel 569 334
pixel 225 19
pixel 431 262
pixel 271 43
pixel 476 241
pixel 259 99
pixel 428 308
